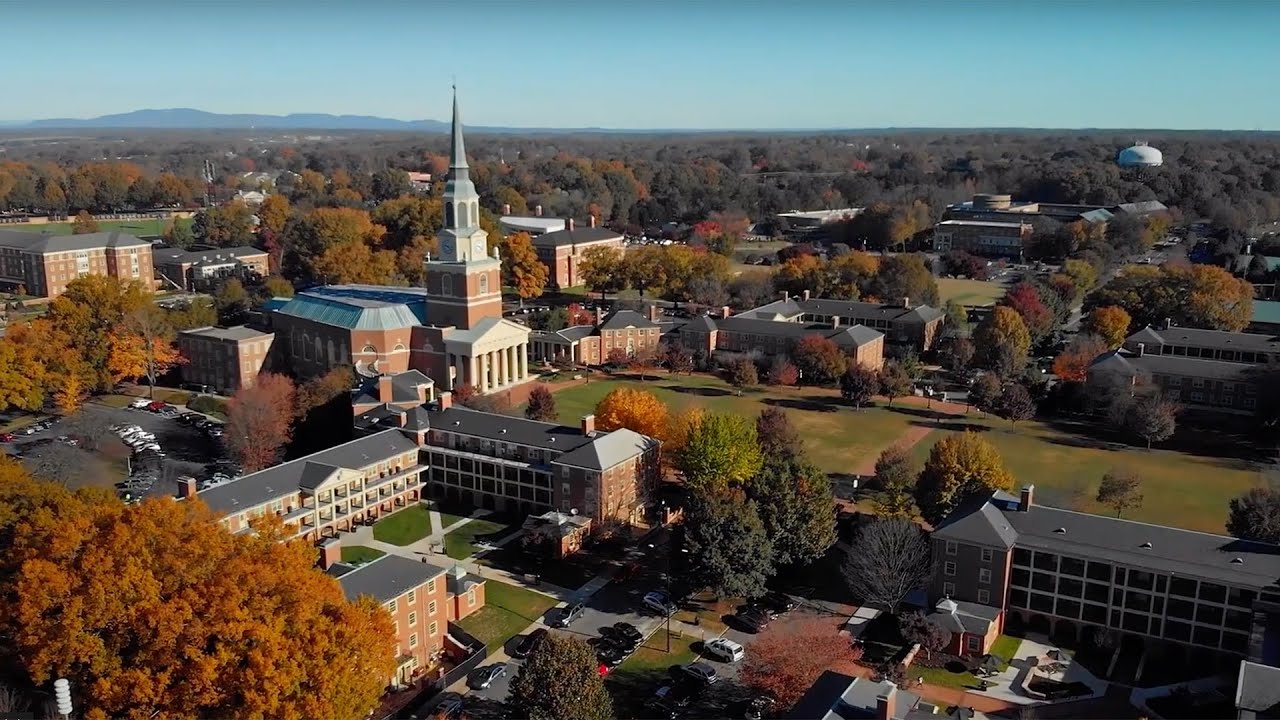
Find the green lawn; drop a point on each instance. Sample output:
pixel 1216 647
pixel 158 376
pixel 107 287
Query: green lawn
pixel 460 544
pixel 404 527
pixel 358 554
pixel 942 677
pixel 1180 489
pixel 652 655
pixel 969 292
pixel 447 519
pixel 131 227
pixel 837 437
pixel 18 423
pixel 507 611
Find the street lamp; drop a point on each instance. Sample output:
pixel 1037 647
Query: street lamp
pixel 666 584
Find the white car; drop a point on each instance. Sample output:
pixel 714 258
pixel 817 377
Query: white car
pixel 659 603
pixel 139 403
pixel 724 649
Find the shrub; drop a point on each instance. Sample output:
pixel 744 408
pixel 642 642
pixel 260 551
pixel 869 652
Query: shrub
pixel 208 405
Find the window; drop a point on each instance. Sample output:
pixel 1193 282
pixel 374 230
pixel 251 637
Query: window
pixel 987 554
pixel 446 284
pixel 432 629
pixel 484 284
pixel 413 640
pixel 948 589
pixel 1197 383
pixel 392 607
pixel 1197 397
pixel 413 597
pixel 1250 402
pixel 413 619
pixel 951 547
pixel 949 568
pixel 974 643
pixel 1228 400
pixel 984 596
pixel 431 586
pixel 431 608
pixel 471 597
pixel 984 576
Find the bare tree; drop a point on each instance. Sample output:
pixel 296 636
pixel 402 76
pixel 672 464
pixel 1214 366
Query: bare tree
pixel 11 701
pixel 890 558
pixel 92 429
pixel 59 463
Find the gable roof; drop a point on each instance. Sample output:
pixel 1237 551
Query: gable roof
pixel 41 243
pixel 1151 363
pixel 1197 337
pixel 608 450
pixel 700 323
pixel 180 256
pixel 977 521
pixel 576 235
pixel 387 578
pixel 505 428
pixel 967 617
pixel 1141 208
pixel 236 333
pixel 620 319
pixel 854 335
pixel 404 386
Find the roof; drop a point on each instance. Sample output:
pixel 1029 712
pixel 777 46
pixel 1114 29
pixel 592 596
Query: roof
pixel 966 617
pixel 1143 207
pixel 574 333
pixel 404 386
pixel 700 323
pixel 576 235
pixel 1151 363
pixel 824 215
pixel 865 310
pixel 505 428
pixel 984 223
pixel 1196 337
pixel 608 450
pixel 835 696
pixel 854 335
pixel 236 333
pixel 282 480
pixel 1266 311
pixel 40 243
pixel 976 521
pixel 536 224
pixel 1242 262
pixel 620 319
pixel 350 312
pixel 1098 215
pixel 1258 687
pixel 1140 154
pixel 174 256
pixel 387 578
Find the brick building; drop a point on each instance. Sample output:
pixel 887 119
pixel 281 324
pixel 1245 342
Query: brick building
pixel 1000 239
pixel 562 250
pixel 224 358
pixel 625 330
pixel 44 264
pixel 201 268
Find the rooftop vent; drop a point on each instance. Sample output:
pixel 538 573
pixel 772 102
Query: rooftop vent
pixel 1060 531
pixel 552 439
pixel 1237 561
pixel 503 431
pixel 457 422
pixel 1146 545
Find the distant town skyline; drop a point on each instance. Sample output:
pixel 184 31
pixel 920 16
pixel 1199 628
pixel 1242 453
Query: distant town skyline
pixel 710 64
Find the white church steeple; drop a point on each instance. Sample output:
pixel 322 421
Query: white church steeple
pixel 461 239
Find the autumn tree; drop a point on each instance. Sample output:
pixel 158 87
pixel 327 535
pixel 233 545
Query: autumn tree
pixel 602 270
pixel 742 373
pixel 1002 341
pixel 229 225
pixel 906 277
pixel 1109 322
pixel 322 411
pixel 560 681
pixel 916 629
pixel 464 392
pixel 721 451
pixel 1120 490
pixel 890 561
pixel 1201 296
pixel 84 224
pixel 859 384
pixel 244 609
pixel 1255 515
pixel 894 380
pixel 728 548
pixel 959 465
pixel 1024 300
pixel 1015 403
pixel 143 347
pixel 1072 364
pixel 783 372
pixel 542 404
pixel 985 392
pixel 794 500
pixel 785 661
pixel 1152 417
pixel 819 360
pixel 23 378
pixel 637 410
pixel 776 434
pixel 274 212
pixel 957 354
pixel 896 478
pixel 679 359
pixel 259 421
pixel 90 317
pixel 521 268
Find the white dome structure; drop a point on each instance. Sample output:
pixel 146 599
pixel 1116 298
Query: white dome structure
pixel 1140 155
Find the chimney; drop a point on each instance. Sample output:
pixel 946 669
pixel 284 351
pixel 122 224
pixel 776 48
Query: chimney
pixel 330 552
pixel 887 703
pixel 785 296
pixel 537 211
pixel 402 418
pixel 588 425
pixel 506 209
pixel 806 294
pixel 599 315
pixel 384 388
pixel 186 487
pixel 1168 323
pixel 655 312
pixel 1027 499
pixel 1142 349
pixel 446 400
pixel 569 224
pixel 724 311
pixel 906 302
pixel 835 321
pixel 592 220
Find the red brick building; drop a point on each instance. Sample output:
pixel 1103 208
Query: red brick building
pixel 42 265
pixel 562 250
pixel 224 358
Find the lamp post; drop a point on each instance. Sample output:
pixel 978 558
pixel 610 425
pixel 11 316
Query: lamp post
pixel 666 584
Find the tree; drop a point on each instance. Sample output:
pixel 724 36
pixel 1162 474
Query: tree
pixel 273 213
pixel 818 359
pixel 229 225
pixel 906 277
pixel 1255 515
pixel 560 681
pixel 1025 301
pixel 179 234
pixel 783 372
pixel 985 392
pixel 1084 275
pixel 742 373
pixel 521 267
pixel 957 354
pixel 890 561
pixel 86 320
pixel 232 301
pixel 794 501
pixel 244 609
pixel 859 384
pixel 1121 490
pixel 463 393
pixel 143 347
pixel 775 433
pixel 959 465
pixel 23 379
pixel 729 550
pixel 721 451
pixel 1201 296
pixel 679 359
pixel 1015 403
pixel 1072 364
pixel 1002 340
pixel 784 662
pixel 1152 417
pixel 542 404
pixel 637 410
pixel 602 270
pixel 84 224
pixel 896 478
pixel 957 316
pixel 916 629
pixel 1109 322
pixel 617 357
pixel 894 380
pixel 259 421
pixel 390 183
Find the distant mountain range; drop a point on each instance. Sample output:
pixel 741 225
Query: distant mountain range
pixel 189 119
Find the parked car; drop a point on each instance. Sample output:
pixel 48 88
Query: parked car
pixel 188 418
pixel 169 412
pixel 529 643
pixel 156 405
pixel 6 437
pixel 751 620
pixel 624 635
pixel 448 708
pixel 139 403
pixel 482 678
pixel 677 693
pixel 778 603
pixel 610 654
pixel 724 649
pixel 700 671
pixel 569 614
pixel 659 603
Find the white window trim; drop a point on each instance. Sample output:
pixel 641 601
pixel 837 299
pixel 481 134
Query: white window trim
pixel 952 547
pixel 949 569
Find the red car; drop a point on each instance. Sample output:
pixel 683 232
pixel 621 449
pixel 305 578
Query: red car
pixel 156 406
pixel 6 437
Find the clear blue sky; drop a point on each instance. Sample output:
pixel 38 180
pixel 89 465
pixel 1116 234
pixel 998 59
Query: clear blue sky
pixel 657 63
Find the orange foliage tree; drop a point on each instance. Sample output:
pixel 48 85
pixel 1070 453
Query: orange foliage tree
pixel 1111 323
pixel 259 421
pixel 636 410
pixel 143 347
pixel 1073 363
pixel 245 627
pixel 785 662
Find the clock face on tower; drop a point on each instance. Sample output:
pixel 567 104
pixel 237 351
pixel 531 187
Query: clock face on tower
pixel 446 248
pixel 477 248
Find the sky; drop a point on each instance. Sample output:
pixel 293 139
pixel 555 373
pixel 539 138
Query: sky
pixel 657 64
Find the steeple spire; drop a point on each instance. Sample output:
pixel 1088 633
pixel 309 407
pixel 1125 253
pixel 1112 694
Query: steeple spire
pixel 458 156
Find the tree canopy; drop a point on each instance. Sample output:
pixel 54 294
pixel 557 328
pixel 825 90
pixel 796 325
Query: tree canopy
pixel 959 465
pixel 560 681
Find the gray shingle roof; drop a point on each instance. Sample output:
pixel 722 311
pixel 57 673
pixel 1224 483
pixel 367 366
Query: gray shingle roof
pixel 840 697
pixel 1124 361
pixel 1141 208
pixel 607 450
pixel 968 617
pixel 404 386
pixel 621 319
pixel 576 235
pixel 576 332
pixel 844 336
pixel 855 336
pixel 282 480
pixel 237 333
pixel 1195 337
pixel 350 312
pixel 505 428
pixel 39 243
pixel 175 256
pixel 976 521
pixel 386 578
pixel 700 323
pixel 786 308
pixel 870 311
pixel 1258 688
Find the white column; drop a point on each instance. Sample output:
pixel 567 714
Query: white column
pixel 472 371
pixel 504 372
pixel 508 366
pixel 524 360
pixel 489 373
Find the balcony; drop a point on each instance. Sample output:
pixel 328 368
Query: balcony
pixel 304 513
pixel 388 480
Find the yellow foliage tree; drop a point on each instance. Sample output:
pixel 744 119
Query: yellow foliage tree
pixel 959 466
pixel 356 262
pixel 1111 323
pixel 274 213
pixel 521 267
pixel 637 410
